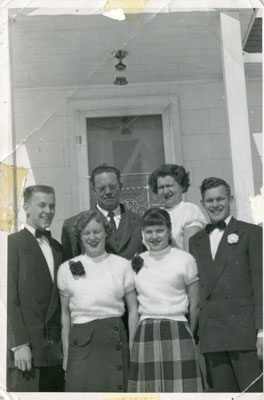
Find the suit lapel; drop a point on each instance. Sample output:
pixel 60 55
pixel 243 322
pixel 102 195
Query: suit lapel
pixel 37 261
pixel 111 240
pixel 205 255
pixel 123 233
pixel 57 257
pixel 41 270
pixel 223 254
pixel 125 228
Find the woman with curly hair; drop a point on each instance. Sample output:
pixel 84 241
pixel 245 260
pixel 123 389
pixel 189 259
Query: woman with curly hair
pixel 163 357
pixel 170 181
pixel 94 288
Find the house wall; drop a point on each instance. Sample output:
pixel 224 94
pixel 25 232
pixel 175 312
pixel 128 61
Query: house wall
pixel 47 142
pixel 254 97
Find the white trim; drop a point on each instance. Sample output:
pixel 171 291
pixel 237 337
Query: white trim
pixel 79 88
pixel 259 13
pixel 79 110
pixel 237 111
pixel 252 57
pixel 80 7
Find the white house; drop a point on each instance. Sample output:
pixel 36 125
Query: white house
pixel 193 97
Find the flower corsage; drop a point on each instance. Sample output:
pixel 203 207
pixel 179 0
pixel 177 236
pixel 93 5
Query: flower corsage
pixel 233 238
pixel 137 263
pixel 76 268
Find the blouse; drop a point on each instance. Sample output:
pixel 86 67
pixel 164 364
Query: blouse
pixel 184 215
pixel 99 293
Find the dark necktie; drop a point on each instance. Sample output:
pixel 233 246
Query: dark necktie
pixel 210 227
pixel 39 233
pixel 112 224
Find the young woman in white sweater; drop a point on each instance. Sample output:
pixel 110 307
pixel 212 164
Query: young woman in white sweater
pixel 163 357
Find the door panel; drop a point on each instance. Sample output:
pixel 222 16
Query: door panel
pixel 134 145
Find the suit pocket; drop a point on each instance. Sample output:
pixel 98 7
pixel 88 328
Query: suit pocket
pixel 80 341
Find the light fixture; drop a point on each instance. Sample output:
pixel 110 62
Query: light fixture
pixel 126 132
pixel 120 80
pixel 120 54
pixel 120 66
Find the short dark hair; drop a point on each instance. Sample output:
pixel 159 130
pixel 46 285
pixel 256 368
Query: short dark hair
pixel 178 172
pixel 213 182
pixel 104 168
pixel 28 192
pixel 84 219
pixel 156 216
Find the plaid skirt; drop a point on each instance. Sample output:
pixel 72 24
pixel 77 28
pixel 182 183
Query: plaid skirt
pixel 163 358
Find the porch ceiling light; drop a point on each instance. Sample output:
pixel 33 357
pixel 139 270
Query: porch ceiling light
pixel 120 80
pixel 120 66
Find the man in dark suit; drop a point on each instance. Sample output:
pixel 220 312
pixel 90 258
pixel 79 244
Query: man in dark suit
pixel 229 259
pixel 34 356
pixel 125 238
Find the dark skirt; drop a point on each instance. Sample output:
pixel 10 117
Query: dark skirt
pixel 163 358
pixel 98 357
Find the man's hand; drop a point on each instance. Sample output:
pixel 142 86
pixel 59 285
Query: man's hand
pixel 23 358
pixel 259 346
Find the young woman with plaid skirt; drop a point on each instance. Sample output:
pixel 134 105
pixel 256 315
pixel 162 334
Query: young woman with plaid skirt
pixel 163 357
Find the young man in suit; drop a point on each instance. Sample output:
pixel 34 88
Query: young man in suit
pixel 229 259
pixel 125 238
pixel 34 337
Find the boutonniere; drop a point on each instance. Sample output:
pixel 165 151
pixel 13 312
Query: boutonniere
pixel 233 238
pixel 137 263
pixel 76 268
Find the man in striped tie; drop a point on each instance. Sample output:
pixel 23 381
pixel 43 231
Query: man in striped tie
pixel 125 238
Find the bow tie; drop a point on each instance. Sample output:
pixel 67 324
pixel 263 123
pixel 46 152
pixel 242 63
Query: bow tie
pixel 210 227
pixel 39 233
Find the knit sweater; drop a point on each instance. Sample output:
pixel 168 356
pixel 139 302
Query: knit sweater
pixel 161 283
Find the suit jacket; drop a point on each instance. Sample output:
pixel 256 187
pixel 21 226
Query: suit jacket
pixel 33 302
pixel 230 288
pixel 126 242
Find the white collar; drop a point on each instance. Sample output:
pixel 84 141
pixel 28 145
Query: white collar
pixel 228 219
pixel 116 211
pixel 215 232
pixel 174 207
pixel 160 253
pixel 31 229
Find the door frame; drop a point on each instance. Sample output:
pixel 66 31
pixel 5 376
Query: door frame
pixel 80 109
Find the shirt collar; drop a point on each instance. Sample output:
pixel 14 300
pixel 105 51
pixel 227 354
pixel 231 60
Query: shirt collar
pixel 228 219
pixel 214 232
pixel 105 213
pixel 31 229
pixel 174 207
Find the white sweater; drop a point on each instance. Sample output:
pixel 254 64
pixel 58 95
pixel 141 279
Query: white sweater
pixel 161 283
pixel 100 292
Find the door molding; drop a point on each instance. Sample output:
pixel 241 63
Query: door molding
pixel 80 109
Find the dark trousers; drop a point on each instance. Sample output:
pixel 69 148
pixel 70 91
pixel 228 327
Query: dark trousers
pixel 43 379
pixel 233 371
